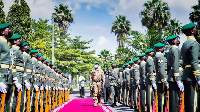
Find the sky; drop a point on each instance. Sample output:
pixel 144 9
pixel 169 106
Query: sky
pixel 93 18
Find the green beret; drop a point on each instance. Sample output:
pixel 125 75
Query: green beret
pixel 172 37
pixel 130 62
pixel 52 64
pixel 126 64
pixel 40 55
pixel 105 68
pixel 148 51
pixel 44 58
pixel 48 61
pixel 5 25
pixel 120 68
pixel 112 63
pixel 159 45
pixel 15 37
pixel 123 66
pixel 188 26
pixel 142 54
pixel 135 59
pixel 24 44
pixel 33 51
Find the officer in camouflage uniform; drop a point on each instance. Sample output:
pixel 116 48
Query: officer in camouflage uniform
pixel 174 74
pixel 161 77
pixel 131 83
pixel 136 78
pixel 191 74
pixel 142 82
pixel 97 77
pixel 150 79
pixel 27 77
pixel 5 72
pixel 113 77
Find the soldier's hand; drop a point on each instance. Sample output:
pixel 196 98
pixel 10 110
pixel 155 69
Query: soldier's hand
pixel 36 87
pixel 3 87
pixel 27 84
pixel 154 86
pixel 180 85
pixel 19 86
pixel 198 83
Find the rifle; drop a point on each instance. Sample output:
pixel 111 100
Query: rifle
pixel 182 103
pixel 156 101
pixel 3 97
pixel 19 101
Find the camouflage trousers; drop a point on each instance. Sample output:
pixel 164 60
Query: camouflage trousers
pixel 97 93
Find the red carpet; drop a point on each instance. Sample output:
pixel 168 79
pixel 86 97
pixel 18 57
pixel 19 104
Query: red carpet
pixel 82 105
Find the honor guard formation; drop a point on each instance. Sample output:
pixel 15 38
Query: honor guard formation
pixel 28 81
pixel 154 81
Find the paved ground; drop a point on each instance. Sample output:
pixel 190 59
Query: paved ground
pixel 118 108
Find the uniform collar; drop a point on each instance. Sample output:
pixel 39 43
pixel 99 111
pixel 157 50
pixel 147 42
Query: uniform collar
pixel 3 39
pixel 126 68
pixel 25 53
pixel 14 46
pixel 143 61
pixel 39 61
pixel 191 37
pixel 136 65
pixel 175 46
pixel 159 53
pixel 34 58
pixel 149 57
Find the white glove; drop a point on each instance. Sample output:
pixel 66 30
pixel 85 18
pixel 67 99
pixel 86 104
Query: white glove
pixel 198 83
pixel 139 86
pixel 19 86
pixel 42 88
pixel 15 79
pixel 27 84
pixel 54 88
pixel 167 85
pixel 3 87
pixel 58 88
pixel 49 87
pixel 36 87
pixel 154 86
pixel 180 85
pixel 46 87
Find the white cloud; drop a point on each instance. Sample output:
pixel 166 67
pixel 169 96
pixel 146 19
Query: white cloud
pixel 102 41
pixel 88 7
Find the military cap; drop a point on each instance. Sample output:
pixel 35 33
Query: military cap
pixel 52 64
pixel 40 55
pixel 159 45
pixel 112 63
pixel 25 44
pixel 172 37
pixel 120 68
pixel 148 51
pixel 33 51
pixel 135 59
pixel 15 37
pixel 123 66
pixel 44 58
pixel 126 64
pixel 105 68
pixel 130 62
pixel 48 61
pixel 188 26
pixel 5 25
pixel 142 54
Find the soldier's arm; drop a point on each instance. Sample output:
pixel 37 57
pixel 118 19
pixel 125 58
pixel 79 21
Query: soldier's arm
pixel 143 72
pixel 175 65
pixel 194 60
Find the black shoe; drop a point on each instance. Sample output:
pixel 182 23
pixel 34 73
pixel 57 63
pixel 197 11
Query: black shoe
pixel 115 104
pixel 112 105
pixel 105 102
pixel 131 107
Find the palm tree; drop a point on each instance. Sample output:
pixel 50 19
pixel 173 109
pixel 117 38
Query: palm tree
pixel 121 27
pixel 106 57
pixel 63 16
pixel 195 14
pixel 155 15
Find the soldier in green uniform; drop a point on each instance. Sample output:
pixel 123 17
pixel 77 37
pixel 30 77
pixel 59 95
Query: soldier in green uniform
pixel 18 69
pixel 142 82
pixel 27 76
pixel 127 82
pixel 131 84
pixel 191 74
pixel 136 78
pixel 174 74
pixel 124 85
pixel 161 77
pixel 121 82
pixel 113 77
pixel 150 79
pixel 5 72
pixel 35 88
